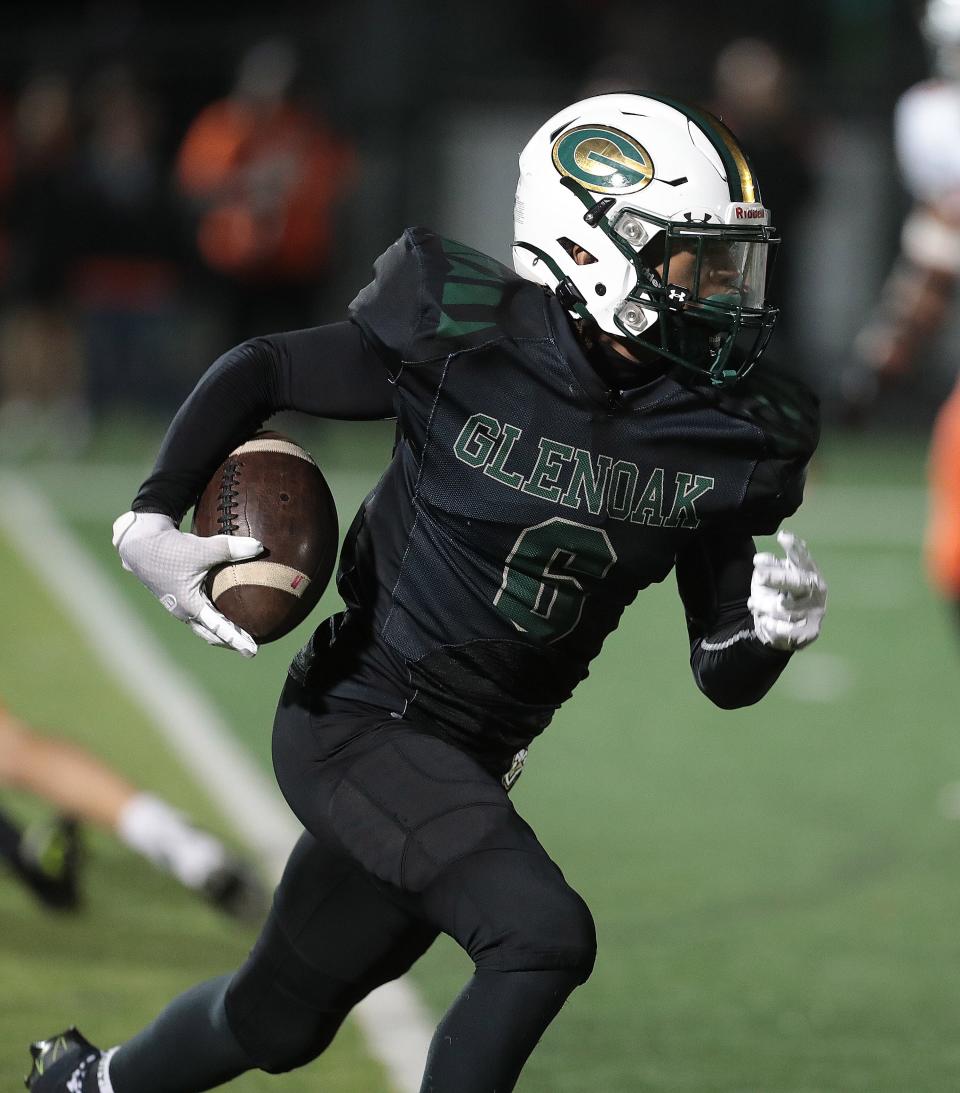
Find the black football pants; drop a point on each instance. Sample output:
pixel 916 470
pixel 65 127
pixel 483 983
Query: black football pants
pixel 407 836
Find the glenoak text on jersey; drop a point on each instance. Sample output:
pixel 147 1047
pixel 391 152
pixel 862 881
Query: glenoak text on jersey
pixel 570 476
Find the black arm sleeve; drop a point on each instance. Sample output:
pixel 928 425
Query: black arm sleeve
pixel 731 665
pixel 330 371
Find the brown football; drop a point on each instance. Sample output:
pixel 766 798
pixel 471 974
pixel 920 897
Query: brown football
pixel 270 488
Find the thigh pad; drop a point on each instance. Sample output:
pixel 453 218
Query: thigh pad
pixel 413 804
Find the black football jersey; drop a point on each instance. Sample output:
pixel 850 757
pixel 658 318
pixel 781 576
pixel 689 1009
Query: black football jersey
pixel 526 504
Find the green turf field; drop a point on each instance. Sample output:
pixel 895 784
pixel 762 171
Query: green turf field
pixel 140 939
pixel 777 890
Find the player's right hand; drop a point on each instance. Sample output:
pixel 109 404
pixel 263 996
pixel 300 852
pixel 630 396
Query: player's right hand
pixel 174 566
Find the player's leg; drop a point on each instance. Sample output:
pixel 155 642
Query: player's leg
pixel 83 786
pixel 412 836
pixel 332 934
pixel 434 826
pixel 329 939
pixel 487 1035
pixel 532 940
pixel 943 526
pixel 530 935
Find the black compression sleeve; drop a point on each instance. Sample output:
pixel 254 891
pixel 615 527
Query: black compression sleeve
pixel 731 665
pixel 488 1033
pixel 329 371
pixel 189 1045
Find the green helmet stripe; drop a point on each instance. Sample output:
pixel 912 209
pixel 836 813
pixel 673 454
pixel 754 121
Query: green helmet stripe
pixel 740 176
pixel 579 308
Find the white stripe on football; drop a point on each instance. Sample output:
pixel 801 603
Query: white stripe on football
pixel 263 575
pixel 268 444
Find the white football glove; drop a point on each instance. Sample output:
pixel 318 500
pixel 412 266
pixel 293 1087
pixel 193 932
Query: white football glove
pixel 788 596
pixel 174 566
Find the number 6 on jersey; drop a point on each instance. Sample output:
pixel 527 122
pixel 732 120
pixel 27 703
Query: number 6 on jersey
pixel 540 593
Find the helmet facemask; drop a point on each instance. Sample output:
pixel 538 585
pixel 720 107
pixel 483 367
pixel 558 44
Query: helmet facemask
pixel 700 294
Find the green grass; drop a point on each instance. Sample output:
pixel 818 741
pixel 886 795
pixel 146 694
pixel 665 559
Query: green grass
pixel 139 939
pixel 776 891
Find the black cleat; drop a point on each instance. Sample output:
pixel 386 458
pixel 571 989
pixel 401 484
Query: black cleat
pixel 66 1063
pixel 48 862
pixel 236 890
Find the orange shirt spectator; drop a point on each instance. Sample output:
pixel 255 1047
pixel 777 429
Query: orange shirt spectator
pixel 265 178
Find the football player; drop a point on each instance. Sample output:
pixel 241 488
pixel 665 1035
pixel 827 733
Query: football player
pixel 82 787
pixel 567 435
pixel 916 299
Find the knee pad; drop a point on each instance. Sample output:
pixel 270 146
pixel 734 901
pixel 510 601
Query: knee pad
pixel 282 1013
pixel 559 933
pixel 536 922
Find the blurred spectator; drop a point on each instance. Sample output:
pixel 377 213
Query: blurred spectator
pixel 264 175
pixel 42 402
pixel 755 93
pixel 124 272
pixel 917 296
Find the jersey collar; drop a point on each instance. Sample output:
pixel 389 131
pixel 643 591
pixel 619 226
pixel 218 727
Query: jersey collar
pixel 612 398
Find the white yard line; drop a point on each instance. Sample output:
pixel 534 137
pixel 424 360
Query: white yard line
pixel 396 1024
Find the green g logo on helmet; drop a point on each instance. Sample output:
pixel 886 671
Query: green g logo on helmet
pixel 603 159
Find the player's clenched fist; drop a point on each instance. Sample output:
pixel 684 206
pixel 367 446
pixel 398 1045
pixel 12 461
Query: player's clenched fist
pixel 174 566
pixel 788 596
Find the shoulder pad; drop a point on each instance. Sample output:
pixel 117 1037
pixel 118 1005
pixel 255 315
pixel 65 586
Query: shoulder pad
pixel 782 406
pixel 432 296
pixel 788 414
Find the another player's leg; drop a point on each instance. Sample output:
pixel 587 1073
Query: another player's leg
pixel 45 856
pixel 81 785
pixel 166 837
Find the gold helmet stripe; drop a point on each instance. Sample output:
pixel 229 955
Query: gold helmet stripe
pixel 748 183
pixel 740 178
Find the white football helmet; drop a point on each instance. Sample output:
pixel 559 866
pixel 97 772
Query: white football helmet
pixel 940 25
pixel 663 198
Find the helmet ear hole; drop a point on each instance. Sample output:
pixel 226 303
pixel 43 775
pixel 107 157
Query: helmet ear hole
pixel 579 254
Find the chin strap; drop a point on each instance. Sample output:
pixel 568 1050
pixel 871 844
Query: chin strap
pixel 566 291
pixel 570 296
